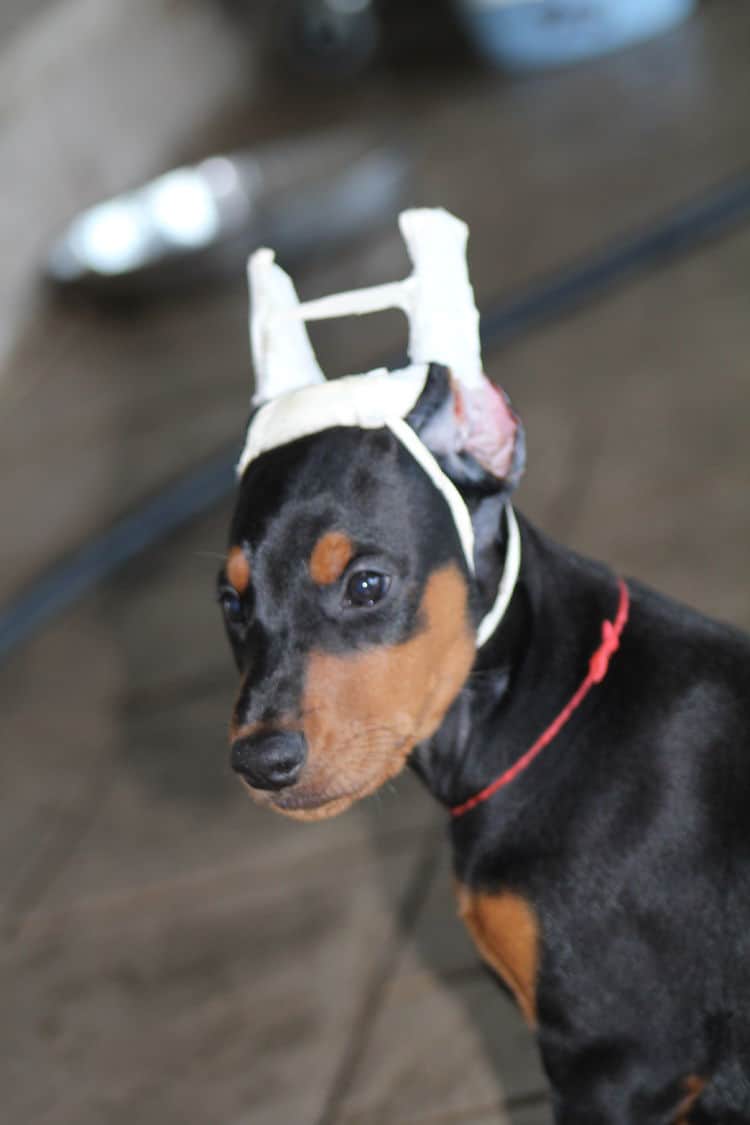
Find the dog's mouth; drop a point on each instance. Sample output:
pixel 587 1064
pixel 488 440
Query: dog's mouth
pixel 302 803
pixel 362 767
pixel 319 797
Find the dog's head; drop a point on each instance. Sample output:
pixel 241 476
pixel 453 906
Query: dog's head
pixel 363 535
pixel 349 599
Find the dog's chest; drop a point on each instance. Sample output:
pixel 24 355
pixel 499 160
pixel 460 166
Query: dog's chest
pixel 505 930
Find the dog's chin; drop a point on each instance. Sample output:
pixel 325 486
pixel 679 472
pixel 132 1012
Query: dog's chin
pixel 314 809
pixel 307 803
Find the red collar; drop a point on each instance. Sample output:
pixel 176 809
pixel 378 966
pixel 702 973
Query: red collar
pixel 598 666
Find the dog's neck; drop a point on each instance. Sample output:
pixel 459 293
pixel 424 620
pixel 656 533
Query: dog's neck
pixel 522 676
pixel 445 762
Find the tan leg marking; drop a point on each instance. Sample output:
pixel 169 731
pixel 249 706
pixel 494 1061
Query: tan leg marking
pixel 238 569
pixel 694 1085
pixel 330 557
pixel 505 930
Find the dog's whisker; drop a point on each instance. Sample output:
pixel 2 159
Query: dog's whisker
pixel 210 555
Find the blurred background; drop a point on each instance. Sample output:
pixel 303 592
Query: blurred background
pixel 170 953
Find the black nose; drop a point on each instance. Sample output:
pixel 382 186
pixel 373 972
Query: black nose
pixel 270 761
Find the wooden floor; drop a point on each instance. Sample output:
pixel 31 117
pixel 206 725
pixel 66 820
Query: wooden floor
pixel 170 954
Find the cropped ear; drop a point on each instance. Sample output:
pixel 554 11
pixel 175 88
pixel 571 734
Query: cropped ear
pixel 473 433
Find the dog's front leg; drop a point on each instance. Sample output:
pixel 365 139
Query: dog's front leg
pixel 602 1088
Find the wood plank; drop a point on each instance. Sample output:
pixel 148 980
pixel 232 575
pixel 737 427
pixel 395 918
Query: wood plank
pixel 230 1002
pixel 461 1046
pixel 636 414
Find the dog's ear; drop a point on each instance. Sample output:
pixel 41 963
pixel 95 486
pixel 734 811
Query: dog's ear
pixel 471 431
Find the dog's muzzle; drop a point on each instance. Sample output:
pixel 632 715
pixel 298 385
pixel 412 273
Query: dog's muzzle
pixel 270 760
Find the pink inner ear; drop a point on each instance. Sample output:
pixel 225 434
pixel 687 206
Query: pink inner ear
pixel 487 426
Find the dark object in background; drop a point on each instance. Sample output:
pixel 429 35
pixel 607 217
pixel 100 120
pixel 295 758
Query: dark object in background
pixel 199 223
pixel 334 38
pixel 338 39
pixel 422 31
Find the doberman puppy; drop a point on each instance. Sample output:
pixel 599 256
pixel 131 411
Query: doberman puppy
pixel 600 827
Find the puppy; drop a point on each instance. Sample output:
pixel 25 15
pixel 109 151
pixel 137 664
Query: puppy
pixel 588 738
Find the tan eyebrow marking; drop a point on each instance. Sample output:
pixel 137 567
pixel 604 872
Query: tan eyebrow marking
pixel 330 557
pixel 238 569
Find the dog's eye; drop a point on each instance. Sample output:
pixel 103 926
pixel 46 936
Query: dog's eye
pixel 366 588
pixel 231 604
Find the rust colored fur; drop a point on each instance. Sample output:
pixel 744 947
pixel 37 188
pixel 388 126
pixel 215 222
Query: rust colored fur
pixel 330 557
pixel 238 569
pixel 505 930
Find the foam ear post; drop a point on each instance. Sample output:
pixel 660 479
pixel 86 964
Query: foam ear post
pixel 283 357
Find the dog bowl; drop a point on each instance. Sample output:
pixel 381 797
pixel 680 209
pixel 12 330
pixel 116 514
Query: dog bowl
pixel 198 223
pixel 531 34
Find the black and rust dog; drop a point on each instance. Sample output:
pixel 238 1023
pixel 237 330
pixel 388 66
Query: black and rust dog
pixel 594 753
